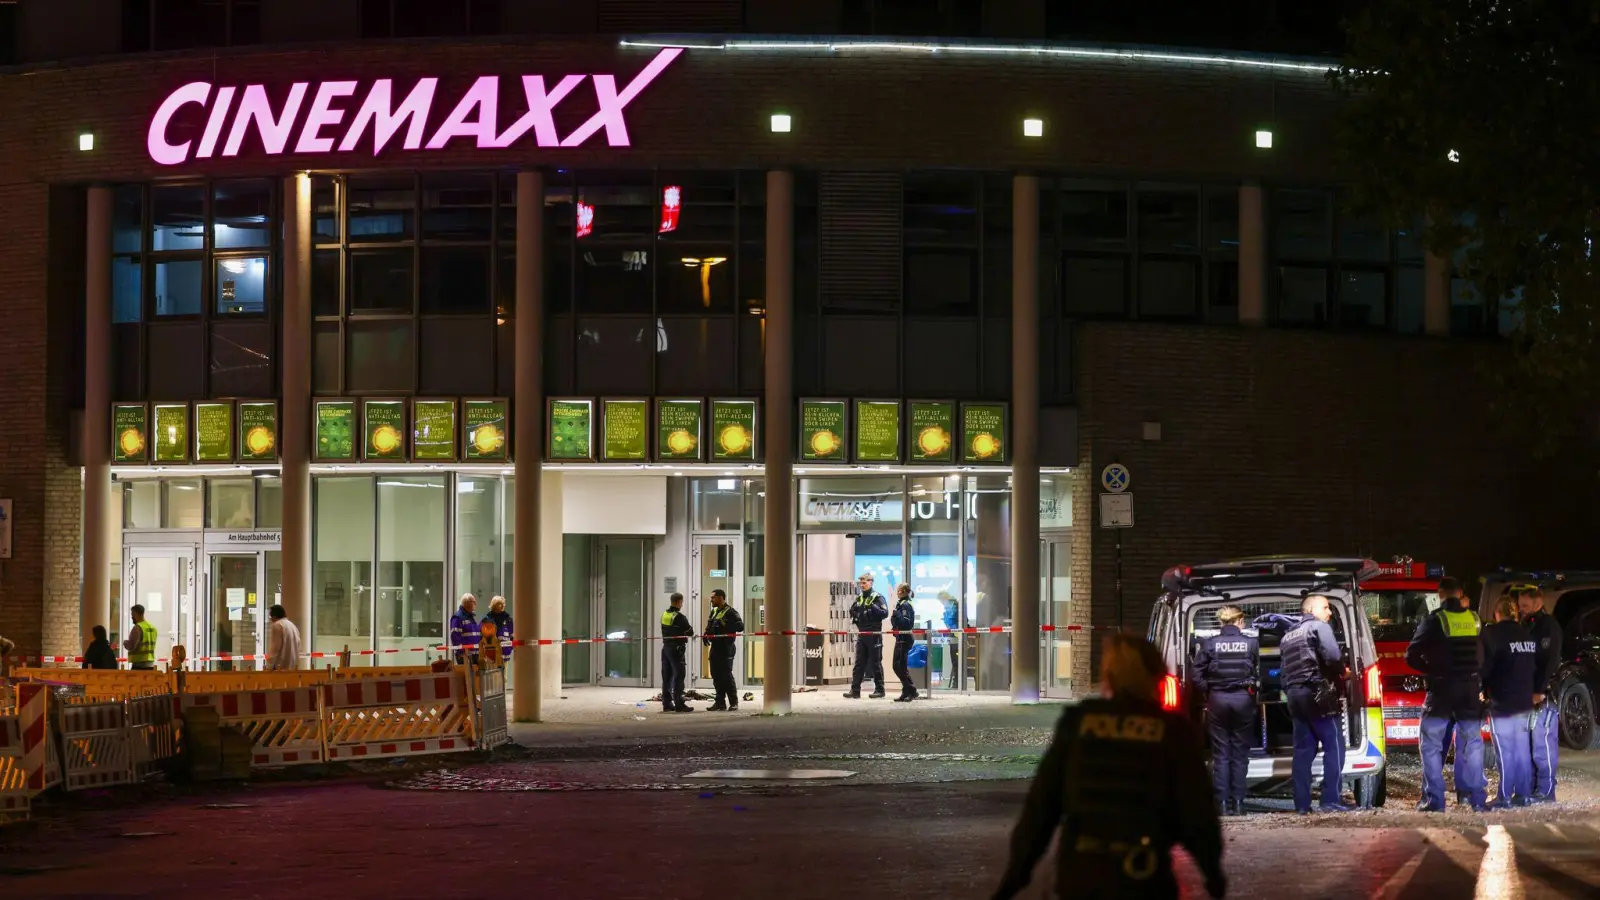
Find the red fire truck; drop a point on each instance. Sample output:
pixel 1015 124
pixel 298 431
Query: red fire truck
pixel 1395 601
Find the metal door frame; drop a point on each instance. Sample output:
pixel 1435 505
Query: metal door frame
pixel 597 657
pixel 194 642
pixel 1047 578
pixel 699 601
pixel 260 554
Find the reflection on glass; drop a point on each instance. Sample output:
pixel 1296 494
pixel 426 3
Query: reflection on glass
pixel 935 505
pixel 716 503
pixel 185 504
pixel 1058 605
pixel 478 538
pixel 236 622
pixel 988 594
pixel 577 607
pixel 411 603
pixel 623 597
pixel 342 579
pixel 232 503
pixel 177 288
pixel 269 505
pixel 177 218
pixel 241 285
pixel 241 213
pixel 141 505
pixel 127 280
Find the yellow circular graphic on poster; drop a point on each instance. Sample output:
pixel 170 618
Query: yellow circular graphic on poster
pixel 985 445
pixel 825 443
pixel 385 440
pixel 933 441
pixel 487 439
pixel 734 439
pixel 258 441
pixel 680 442
pixel 131 443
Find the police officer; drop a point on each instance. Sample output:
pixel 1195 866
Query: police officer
pixel 723 627
pixel 1313 670
pixel 1225 668
pixel 1508 668
pixel 1545 733
pixel 867 614
pixel 1124 781
pixel 903 620
pixel 1447 651
pixel 676 631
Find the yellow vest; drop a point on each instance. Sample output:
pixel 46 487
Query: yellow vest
pixel 146 652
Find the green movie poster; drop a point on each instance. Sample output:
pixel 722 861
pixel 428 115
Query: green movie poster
pixel 571 429
pixel 678 430
pixel 384 424
pixel 213 432
pixel 878 431
pixel 130 433
pixel 171 432
pixel 258 432
pixel 487 431
pixel 733 430
pixel 822 437
pixel 336 430
pixel 627 430
pixel 933 424
pixel 433 430
pixel 983 432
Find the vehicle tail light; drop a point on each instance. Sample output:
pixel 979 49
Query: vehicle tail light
pixel 1169 692
pixel 1374 685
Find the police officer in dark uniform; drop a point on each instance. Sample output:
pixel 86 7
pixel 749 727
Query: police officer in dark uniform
pixel 1509 654
pixel 1447 651
pixel 867 614
pixel 1545 738
pixel 723 627
pixel 903 620
pixel 1225 668
pixel 1124 781
pixel 676 631
pixel 1313 670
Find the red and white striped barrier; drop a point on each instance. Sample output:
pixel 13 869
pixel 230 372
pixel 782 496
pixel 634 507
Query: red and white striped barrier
pixel 94 737
pixel 373 719
pixel 39 758
pixel 152 734
pixel 284 725
pixel 14 793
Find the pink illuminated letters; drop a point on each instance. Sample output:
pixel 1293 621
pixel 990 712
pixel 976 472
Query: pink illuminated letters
pixel 335 116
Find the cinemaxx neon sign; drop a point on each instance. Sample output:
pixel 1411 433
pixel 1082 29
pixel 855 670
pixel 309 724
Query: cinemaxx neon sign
pixel 335 123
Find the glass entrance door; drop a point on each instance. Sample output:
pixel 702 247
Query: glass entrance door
pixel 237 613
pixel 1055 571
pixel 163 582
pixel 714 570
pixel 623 567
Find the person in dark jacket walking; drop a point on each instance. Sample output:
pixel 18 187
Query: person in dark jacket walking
pixel 464 631
pixel 1508 667
pixel 99 654
pixel 503 625
pixel 903 620
pixel 1125 782
pixel 1225 668
pixel 723 627
pixel 867 614
pixel 1313 670
pixel 1545 732
pixel 676 631
pixel 1446 649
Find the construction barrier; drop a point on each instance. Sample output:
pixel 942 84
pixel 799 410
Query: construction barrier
pixel 378 718
pixel 284 726
pixel 103 684
pixel 152 733
pixel 14 793
pixel 39 758
pixel 492 724
pixel 94 741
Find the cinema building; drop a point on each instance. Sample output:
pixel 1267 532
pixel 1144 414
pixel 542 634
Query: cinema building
pixel 361 325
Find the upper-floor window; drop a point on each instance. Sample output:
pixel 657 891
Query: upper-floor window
pixel 185 24
pixel 912 18
pixel 428 18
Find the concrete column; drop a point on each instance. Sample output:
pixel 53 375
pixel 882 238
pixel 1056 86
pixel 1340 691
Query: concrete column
pixel 527 423
pixel 1025 636
pixel 1252 256
pixel 295 359
pixel 778 649
pixel 95 601
pixel 1435 296
pixel 550 566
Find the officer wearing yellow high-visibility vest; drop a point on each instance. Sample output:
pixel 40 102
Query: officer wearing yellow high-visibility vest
pixel 1448 651
pixel 141 642
pixel 676 631
pixel 723 627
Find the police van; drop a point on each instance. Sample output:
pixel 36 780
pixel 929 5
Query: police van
pixel 1269 591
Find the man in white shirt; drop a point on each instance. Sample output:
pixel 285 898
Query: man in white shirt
pixel 283 642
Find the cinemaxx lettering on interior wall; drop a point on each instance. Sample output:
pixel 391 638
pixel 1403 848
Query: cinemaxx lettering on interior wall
pixel 335 123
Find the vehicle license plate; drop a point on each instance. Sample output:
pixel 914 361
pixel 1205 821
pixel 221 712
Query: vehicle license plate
pixel 1402 732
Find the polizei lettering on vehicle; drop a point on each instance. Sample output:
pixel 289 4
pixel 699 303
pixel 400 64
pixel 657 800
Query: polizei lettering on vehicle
pixel 340 116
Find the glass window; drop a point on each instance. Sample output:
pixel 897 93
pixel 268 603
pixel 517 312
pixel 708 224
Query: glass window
pixel 233 504
pixel 1094 216
pixel 987 594
pixel 1222 219
pixel 934 503
pixel 380 281
pixel 716 503
pixel 1467 313
pixel 506 190
pixel 457 207
pixel 613 261
pixel 1169 221
pixel 457 356
pixel 940 210
pixel 177 218
pixel 325 357
pixel 177 287
pixel 325 282
pixel 141 505
pixel 1409 241
pixel 615 355
pixel 127 280
pixel 1168 288
pixel 324 209
pixel 455 279
pixel 478 569
pixel 850 502
pixel 1303 226
pixel 175 369
pixel 380 357
pixel 1094 286
pixel 342 576
pixel 411 601
pixel 269 501
pixel 707 209
pixel 381 209
pixel 942 357
pixel 1363 299
pixel 1363 237
pixel 1302 295
pixel 241 285
pixel 505 280
pixel 127 220
pixel 941 281
pixel 1055 501
pixel 696 278
pixel 241 359
pixel 185 506
pixel 241 214
pixel 694 355
pixel 1223 292
pixel 1409 288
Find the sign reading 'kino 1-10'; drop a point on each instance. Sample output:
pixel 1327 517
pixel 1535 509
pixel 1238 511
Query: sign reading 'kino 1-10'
pixel 336 122
pixel 579 429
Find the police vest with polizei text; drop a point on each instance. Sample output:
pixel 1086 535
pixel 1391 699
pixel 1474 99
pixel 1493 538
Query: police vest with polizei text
pixel 1461 635
pixel 1230 667
pixel 1109 789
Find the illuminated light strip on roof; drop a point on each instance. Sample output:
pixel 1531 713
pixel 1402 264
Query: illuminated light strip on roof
pixel 1304 67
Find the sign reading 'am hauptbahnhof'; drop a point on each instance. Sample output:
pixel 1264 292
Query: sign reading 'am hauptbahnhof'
pixel 340 115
